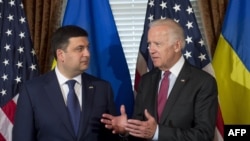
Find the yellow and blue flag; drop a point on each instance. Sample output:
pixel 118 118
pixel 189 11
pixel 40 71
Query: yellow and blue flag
pixel 231 63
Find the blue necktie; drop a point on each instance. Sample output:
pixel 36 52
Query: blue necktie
pixel 73 105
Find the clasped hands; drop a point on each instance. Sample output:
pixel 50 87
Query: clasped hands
pixel 122 125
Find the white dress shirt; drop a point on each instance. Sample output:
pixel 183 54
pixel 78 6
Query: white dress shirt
pixel 175 70
pixel 65 89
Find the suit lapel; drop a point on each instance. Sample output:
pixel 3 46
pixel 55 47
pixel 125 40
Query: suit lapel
pixel 55 97
pixel 155 79
pixel 151 100
pixel 176 91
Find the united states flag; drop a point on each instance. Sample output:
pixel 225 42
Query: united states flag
pixel 195 51
pixel 17 61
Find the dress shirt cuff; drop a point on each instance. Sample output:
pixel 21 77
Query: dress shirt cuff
pixel 156 135
pixel 124 137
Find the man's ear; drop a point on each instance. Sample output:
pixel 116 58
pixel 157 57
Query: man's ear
pixel 177 46
pixel 60 55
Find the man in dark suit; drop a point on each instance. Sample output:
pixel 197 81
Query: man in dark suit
pixel 189 113
pixel 43 108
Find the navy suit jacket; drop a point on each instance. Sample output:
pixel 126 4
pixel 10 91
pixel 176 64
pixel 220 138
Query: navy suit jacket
pixel 191 109
pixel 42 114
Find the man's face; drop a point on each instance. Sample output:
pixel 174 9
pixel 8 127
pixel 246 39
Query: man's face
pixel 75 59
pixel 162 47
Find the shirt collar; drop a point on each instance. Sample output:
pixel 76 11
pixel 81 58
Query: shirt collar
pixel 62 79
pixel 176 68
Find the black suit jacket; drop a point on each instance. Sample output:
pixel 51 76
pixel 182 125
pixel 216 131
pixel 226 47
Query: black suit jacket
pixel 191 109
pixel 42 114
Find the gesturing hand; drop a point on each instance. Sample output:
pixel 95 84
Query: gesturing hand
pixel 142 129
pixel 116 123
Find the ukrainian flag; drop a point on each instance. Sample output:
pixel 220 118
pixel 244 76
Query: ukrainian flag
pixel 231 63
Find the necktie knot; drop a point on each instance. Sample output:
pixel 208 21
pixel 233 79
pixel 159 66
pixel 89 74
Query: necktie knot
pixel 166 74
pixel 71 84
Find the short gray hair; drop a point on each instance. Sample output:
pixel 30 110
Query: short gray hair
pixel 176 28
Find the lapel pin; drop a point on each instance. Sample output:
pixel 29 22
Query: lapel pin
pixel 91 87
pixel 183 80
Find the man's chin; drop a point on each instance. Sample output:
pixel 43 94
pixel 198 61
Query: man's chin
pixel 84 68
pixel 156 64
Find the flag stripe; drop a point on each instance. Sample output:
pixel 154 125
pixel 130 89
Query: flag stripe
pixel 9 110
pixel 141 68
pixel 6 126
pixel 2 138
pixel 238 14
pixel 218 137
pixel 232 78
pixel 220 123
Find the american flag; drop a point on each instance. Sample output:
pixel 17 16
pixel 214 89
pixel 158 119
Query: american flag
pixel 17 61
pixel 195 51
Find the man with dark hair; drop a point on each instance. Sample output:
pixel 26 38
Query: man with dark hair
pixel 65 104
